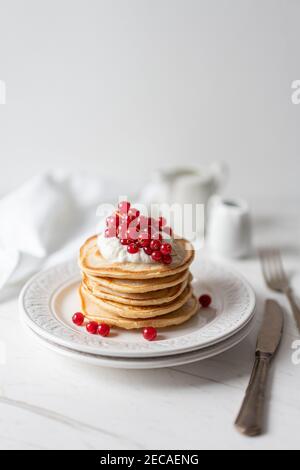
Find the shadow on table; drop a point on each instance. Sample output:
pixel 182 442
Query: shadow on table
pixel 222 369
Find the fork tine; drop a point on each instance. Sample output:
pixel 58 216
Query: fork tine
pixel 273 269
pixel 276 267
pixel 280 269
pixel 278 275
pixel 264 257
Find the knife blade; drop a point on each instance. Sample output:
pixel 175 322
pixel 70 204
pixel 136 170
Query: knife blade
pixel 250 418
pixel 271 330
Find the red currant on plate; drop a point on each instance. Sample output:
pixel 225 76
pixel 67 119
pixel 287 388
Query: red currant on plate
pixel 150 333
pixel 166 249
pixel 205 300
pixel 78 318
pixel 92 327
pixel 103 329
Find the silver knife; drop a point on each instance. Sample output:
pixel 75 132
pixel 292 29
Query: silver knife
pixel 250 418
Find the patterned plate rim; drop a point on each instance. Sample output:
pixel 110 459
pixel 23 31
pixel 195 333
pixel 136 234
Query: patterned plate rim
pixel 35 305
pixel 149 362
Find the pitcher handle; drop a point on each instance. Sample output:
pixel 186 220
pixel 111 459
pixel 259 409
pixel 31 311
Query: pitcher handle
pixel 221 172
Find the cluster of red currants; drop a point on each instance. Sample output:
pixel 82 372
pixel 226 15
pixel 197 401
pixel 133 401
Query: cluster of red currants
pixel 103 329
pixel 138 232
pixel 92 327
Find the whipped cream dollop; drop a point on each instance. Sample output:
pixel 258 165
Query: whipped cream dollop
pixel 112 250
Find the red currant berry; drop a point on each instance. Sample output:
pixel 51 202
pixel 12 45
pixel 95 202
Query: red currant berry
pixel 157 236
pixel 78 319
pixel 168 231
pixel 166 249
pixel 103 329
pixel 144 235
pixel 150 333
pixel 162 222
pixel 167 259
pixel 151 226
pixel 156 256
pixel 155 245
pixel 124 207
pixel 112 221
pixel 145 231
pixel 133 249
pixel 148 250
pixel 127 220
pixel 122 232
pixel 110 232
pixel 124 241
pixel 133 212
pixel 92 327
pixel 135 223
pixel 143 240
pixel 205 300
pixel 132 233
pixel 156 224
pixel 143 222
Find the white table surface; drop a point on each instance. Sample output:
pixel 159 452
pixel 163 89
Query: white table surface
pixel 50 402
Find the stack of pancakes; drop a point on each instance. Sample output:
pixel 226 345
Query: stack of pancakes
pixel 135 295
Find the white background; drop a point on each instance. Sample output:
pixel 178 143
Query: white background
pixel 119 87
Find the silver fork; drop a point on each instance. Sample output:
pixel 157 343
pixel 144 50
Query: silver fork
pixel 277 279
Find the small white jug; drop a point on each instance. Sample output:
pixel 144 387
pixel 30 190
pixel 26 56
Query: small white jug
pixel 185 185
pixel 229 232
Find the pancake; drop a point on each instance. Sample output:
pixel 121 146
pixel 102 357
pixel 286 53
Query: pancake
pixel 131 311
pixel 139 286
pixel 94 312
pixel 159 297
pixel 92 263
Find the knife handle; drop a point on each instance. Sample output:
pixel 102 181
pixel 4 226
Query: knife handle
pixel 251 416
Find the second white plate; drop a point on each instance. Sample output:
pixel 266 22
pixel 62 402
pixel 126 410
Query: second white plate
pixel 49 300
pixel 147 363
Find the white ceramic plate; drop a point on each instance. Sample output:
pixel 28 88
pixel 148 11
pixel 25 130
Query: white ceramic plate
pixel 49 300
pixel 147 363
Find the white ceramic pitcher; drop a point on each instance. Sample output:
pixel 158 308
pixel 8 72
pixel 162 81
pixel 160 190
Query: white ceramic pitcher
pixel 186 185
pixel 229 228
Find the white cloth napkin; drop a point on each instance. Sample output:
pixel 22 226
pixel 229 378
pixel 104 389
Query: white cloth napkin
pixel 45 221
